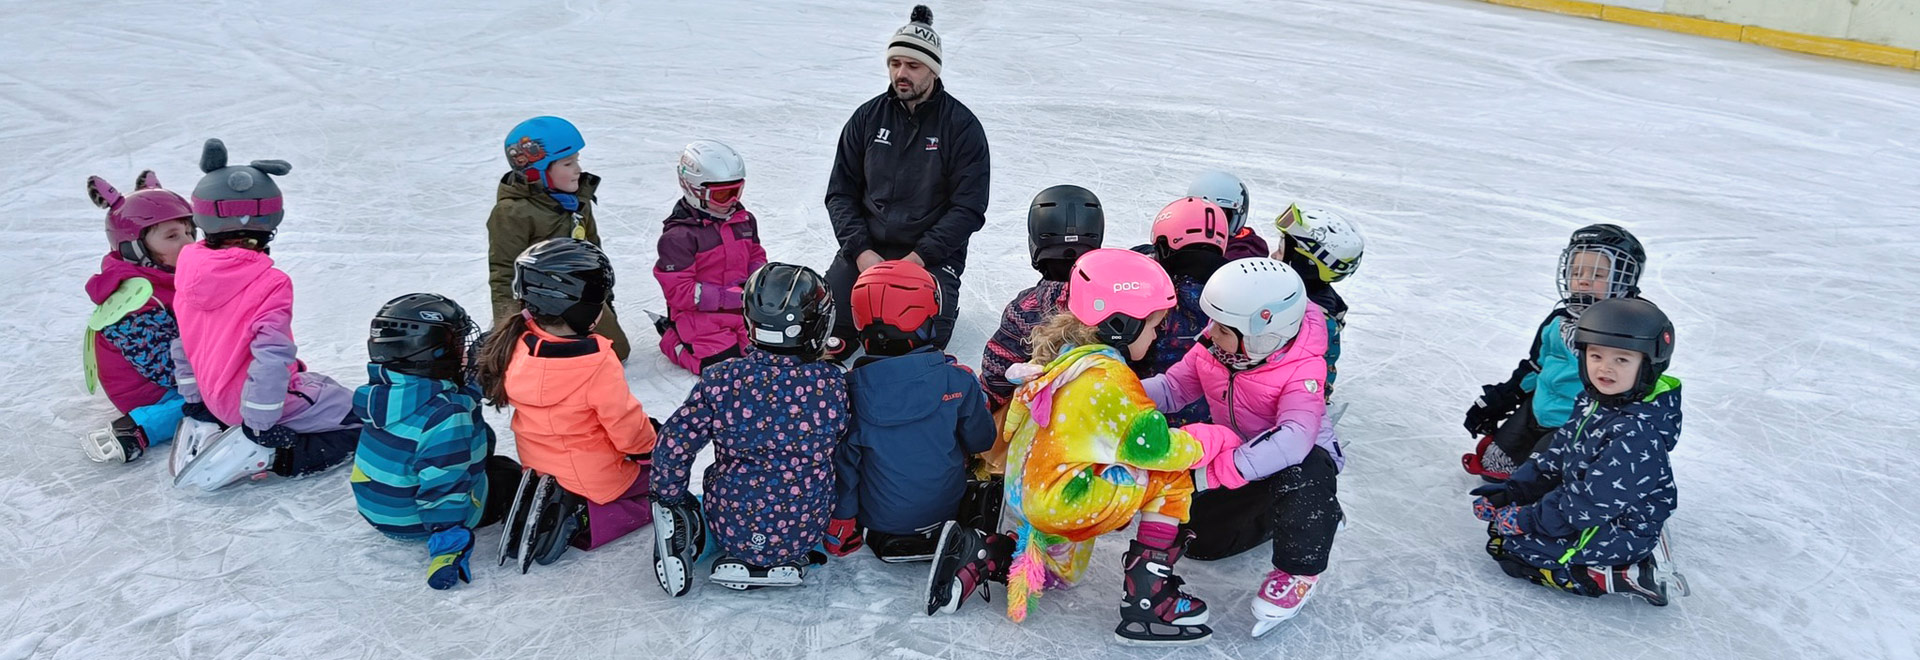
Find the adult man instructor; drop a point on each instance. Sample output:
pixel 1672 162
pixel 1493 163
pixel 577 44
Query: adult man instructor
pixel 909 180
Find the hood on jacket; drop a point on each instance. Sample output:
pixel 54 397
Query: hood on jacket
pixel 547 370
pixel 390 396
pixel 877 385
pixel 1661 410
pixel 513 186
pixel 212 278
pixel 114 270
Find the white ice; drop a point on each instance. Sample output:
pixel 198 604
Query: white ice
pixel 1776 193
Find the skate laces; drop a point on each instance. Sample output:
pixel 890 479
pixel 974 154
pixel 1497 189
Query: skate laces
pixel 1285 589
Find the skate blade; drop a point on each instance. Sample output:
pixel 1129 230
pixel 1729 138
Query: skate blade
pixel 1143 643
pixel 1262 627
pixel 909 559
pixel 223 445
pixel 671 571
pixel 513 517
pixel 527 528
pixel 933 573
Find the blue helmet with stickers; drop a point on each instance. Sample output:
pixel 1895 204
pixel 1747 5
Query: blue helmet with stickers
pixel 536 143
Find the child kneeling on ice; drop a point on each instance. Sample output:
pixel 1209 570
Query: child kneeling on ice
pixel 575 423
pixel 708 246
pixel 1261 366
pixel 918 417
pixel 774 416
pixel 133 327
pixel 1586 513
pixel 425 469
pixel 1088 451
pixel 235 361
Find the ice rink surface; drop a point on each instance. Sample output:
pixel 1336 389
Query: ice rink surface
pixel 1776 193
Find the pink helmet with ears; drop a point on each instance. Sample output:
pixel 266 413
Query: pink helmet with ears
pixel 129 216
pixel 1115 291
pixel 1190 221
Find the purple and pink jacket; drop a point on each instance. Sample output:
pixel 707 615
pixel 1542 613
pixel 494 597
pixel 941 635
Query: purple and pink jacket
pixel 1008 345
pixel 133 355
pixel 1276 407
pixel 236 350
pixel 704 261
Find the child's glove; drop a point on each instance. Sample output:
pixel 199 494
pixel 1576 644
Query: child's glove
pixel 1495 403
pixel 1484 509
pixel 1495 494
pixel 1216 468
pixel 1511 520
pixel 843 537
pixel 278 437
pixel 198 411
pixel 447 552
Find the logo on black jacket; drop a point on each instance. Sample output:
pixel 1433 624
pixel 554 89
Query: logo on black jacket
pixel 882 137
pixel 933 144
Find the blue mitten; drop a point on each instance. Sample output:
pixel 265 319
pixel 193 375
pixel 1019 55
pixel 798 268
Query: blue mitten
pixel 448 550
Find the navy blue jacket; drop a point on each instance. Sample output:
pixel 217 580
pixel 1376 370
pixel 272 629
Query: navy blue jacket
pixel 1605 482
pixel 916 420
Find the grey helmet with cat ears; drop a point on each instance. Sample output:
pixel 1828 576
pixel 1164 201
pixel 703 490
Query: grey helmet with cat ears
pixel 239 197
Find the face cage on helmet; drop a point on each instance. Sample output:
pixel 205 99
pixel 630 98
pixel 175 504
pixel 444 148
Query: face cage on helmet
pixel 1623 275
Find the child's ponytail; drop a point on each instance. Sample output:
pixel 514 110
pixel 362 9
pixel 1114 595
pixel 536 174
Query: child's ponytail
pixel 491 367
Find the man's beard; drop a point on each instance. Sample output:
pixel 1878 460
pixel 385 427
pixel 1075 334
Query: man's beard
pixel 913 94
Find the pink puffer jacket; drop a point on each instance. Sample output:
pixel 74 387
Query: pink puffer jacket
pixel 703 263
pixel 1278 408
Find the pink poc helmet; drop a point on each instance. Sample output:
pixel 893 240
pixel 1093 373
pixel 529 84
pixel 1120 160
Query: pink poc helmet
pixel 1189 221
pixel 1115 291
pixel 129 216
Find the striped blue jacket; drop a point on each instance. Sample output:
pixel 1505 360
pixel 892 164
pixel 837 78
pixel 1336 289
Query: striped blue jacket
pixel 421 464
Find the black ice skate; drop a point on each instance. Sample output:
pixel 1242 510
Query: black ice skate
pixel 966 560
pixel 510 526
pixel 1154 611
pixel 679 536
pixel 553 516
pixel 120 442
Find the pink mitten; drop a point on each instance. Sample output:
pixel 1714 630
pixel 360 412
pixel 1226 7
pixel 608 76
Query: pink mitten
pixel 1217 459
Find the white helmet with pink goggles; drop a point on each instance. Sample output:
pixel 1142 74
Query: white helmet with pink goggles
pixel 1261 299
pixel 1115 291
pixel 712 176
pixel 1190 221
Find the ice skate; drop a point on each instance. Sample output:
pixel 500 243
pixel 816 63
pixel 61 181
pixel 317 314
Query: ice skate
pixel 510 526
pixel 189 439
pixel 1280 597
pixel 738 575
pixel 227 458
pixel 1154 611
pixel 965 560
pixel 120 442
pixel 679 536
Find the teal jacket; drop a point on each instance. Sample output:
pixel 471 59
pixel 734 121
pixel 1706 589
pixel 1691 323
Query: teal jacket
pixel 1557 383
pixel 421 463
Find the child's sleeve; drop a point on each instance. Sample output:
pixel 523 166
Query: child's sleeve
pixel 681 439
pixel 272 349
pixel 682 283
pixel 1140 438
pixel 626 422
pixel 507 237
pixel 183 373
pixel 976 429
pixel 1004 349
pixel 444 463
pixel 846 484
pixel 1298 415
pixel 1179 386
pixel 1619 479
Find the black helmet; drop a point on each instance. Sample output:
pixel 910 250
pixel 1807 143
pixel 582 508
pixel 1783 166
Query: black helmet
pixel 564 277
pixel 1063 223
pixel 1630 324
pixel 423 334
pixel 789 310
pixel 1625 256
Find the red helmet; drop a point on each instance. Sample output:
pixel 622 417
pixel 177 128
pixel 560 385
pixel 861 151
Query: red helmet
pixel 895 301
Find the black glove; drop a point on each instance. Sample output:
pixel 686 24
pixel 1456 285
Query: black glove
pixel 278 437
pixel 1497 401
pixel 198 411
pixel 1496 494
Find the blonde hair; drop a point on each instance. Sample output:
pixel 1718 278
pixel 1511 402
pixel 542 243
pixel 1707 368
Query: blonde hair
pixel 1055 334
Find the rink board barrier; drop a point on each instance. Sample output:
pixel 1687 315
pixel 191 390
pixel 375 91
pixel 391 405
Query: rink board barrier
pixel 1846 49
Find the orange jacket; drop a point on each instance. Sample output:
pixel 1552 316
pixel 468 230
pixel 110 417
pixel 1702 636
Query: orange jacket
pixel 573 416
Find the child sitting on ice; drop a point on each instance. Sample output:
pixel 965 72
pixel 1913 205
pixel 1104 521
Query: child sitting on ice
pixel 773 416
pixel 1227 192
pixel 918 417
pixel 1190 242
pixel 582 436
pixel 425 469
pixel 1063 222
pixel 1600 262
pixel 1323 247
pixel 708 247
pixel 235 361
pixel 545 196
pixel 1585 514
pixel 133 325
